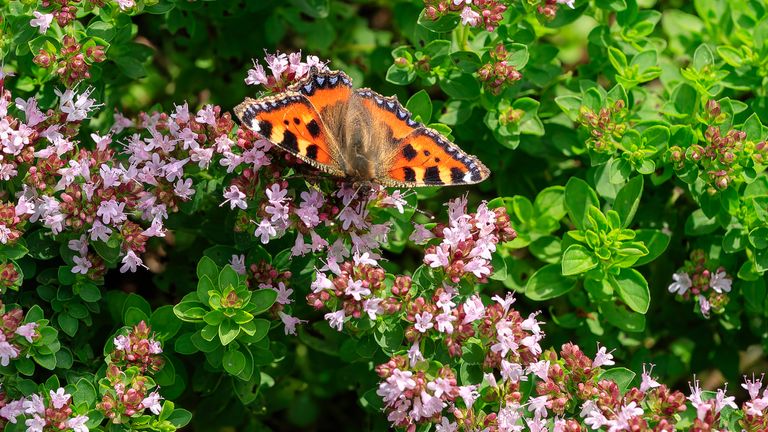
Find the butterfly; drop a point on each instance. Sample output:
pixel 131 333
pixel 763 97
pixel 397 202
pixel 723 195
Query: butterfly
pixel 358 135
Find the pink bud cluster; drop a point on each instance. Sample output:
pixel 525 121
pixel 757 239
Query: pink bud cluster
pixel 137 348
pixel 606 127
pixel 703 281
pixel 498 74
pixel 72 62
pixel 485 14
pixel 725 153
pixel 127 390
pixel 127 394
pixel 52 411
pixel 548 8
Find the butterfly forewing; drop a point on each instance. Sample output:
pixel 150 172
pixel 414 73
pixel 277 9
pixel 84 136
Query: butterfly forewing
pixel 290 121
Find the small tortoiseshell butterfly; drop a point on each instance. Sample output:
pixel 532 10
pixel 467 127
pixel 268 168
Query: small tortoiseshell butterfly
pixel 358 135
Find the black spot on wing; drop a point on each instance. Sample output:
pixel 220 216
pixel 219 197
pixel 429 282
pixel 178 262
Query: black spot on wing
pixel 432 175
pixel 313 128
pixel 296 120
pixel 289 142
pixel 409 152
pixel 265 129
pixel 457 175
pixel 312 151
pixel 409 174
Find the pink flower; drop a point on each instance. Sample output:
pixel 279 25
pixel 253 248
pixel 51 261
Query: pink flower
pixel 423 322
pixel 265 230
pixel 130 262
pixel 122 343
pixel 439 258
pixel 682 283
pixel 12 410
pixel 720 282
pixel 603 358
pixel 82 264
pixel 283 294
pixel 235 198
pixel 289 322
pixel 473 309
pixel 372 307
pixel 35 424
pixel 206 116
pixel 414 354
pixel 111 212
pixel 27 331
pixel 395 199
pixel 445 322
pixel 7 351
pixel 335 319
pixel 321 283
pixel 126 4
pixel 183 189
pixel 256 75
pixel 34 405
pixel 356 290
pixel 420 234
pixel 646 381
pixel 238 263
pixel 570 3
pixel 152 402
pixel 77 424
pixel 41 21
pixel 59 398
pixel 470 17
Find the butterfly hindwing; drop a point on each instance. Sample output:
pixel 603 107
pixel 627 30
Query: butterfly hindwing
pixel 418 155
pixel 426 158
pixel 290 121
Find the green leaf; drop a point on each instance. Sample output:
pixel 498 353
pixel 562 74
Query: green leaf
pixel 579 196
pixel 204 285
pixel 623 319
pixel 466 61
pixel 628 199
pixel 577 259
pixel 88 292
pixel 164 322
pixel 734 240
pixel 632 289
pixel 656 242
pixel 548 283
pixel 14 251
pixel 233 362
pixel 758 237
pixel 703 57
pixel 462 86
pixel 420 105
pixel 228 331
pixel 134 315
pixel 699 224
pixel 228 277
pixel 109 250
pixel 262 300
pixel 621 376
pixel 206 267
pixel 400 75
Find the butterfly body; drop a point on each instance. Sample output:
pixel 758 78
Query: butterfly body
pixel 358 135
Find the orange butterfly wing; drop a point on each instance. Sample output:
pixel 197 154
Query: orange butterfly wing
pixel 420 156
pixel 290 121
pixel 324 89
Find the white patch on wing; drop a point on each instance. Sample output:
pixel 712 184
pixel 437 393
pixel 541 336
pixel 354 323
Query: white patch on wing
pixel 468 177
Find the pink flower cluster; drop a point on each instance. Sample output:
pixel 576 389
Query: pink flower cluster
pixel 468 240
pixel 703 281
pixel 126 390
pixel 284 69
pixel 43 412
pixel 498 74
pixel 15 337
pixel 137 348
pixel 486 14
